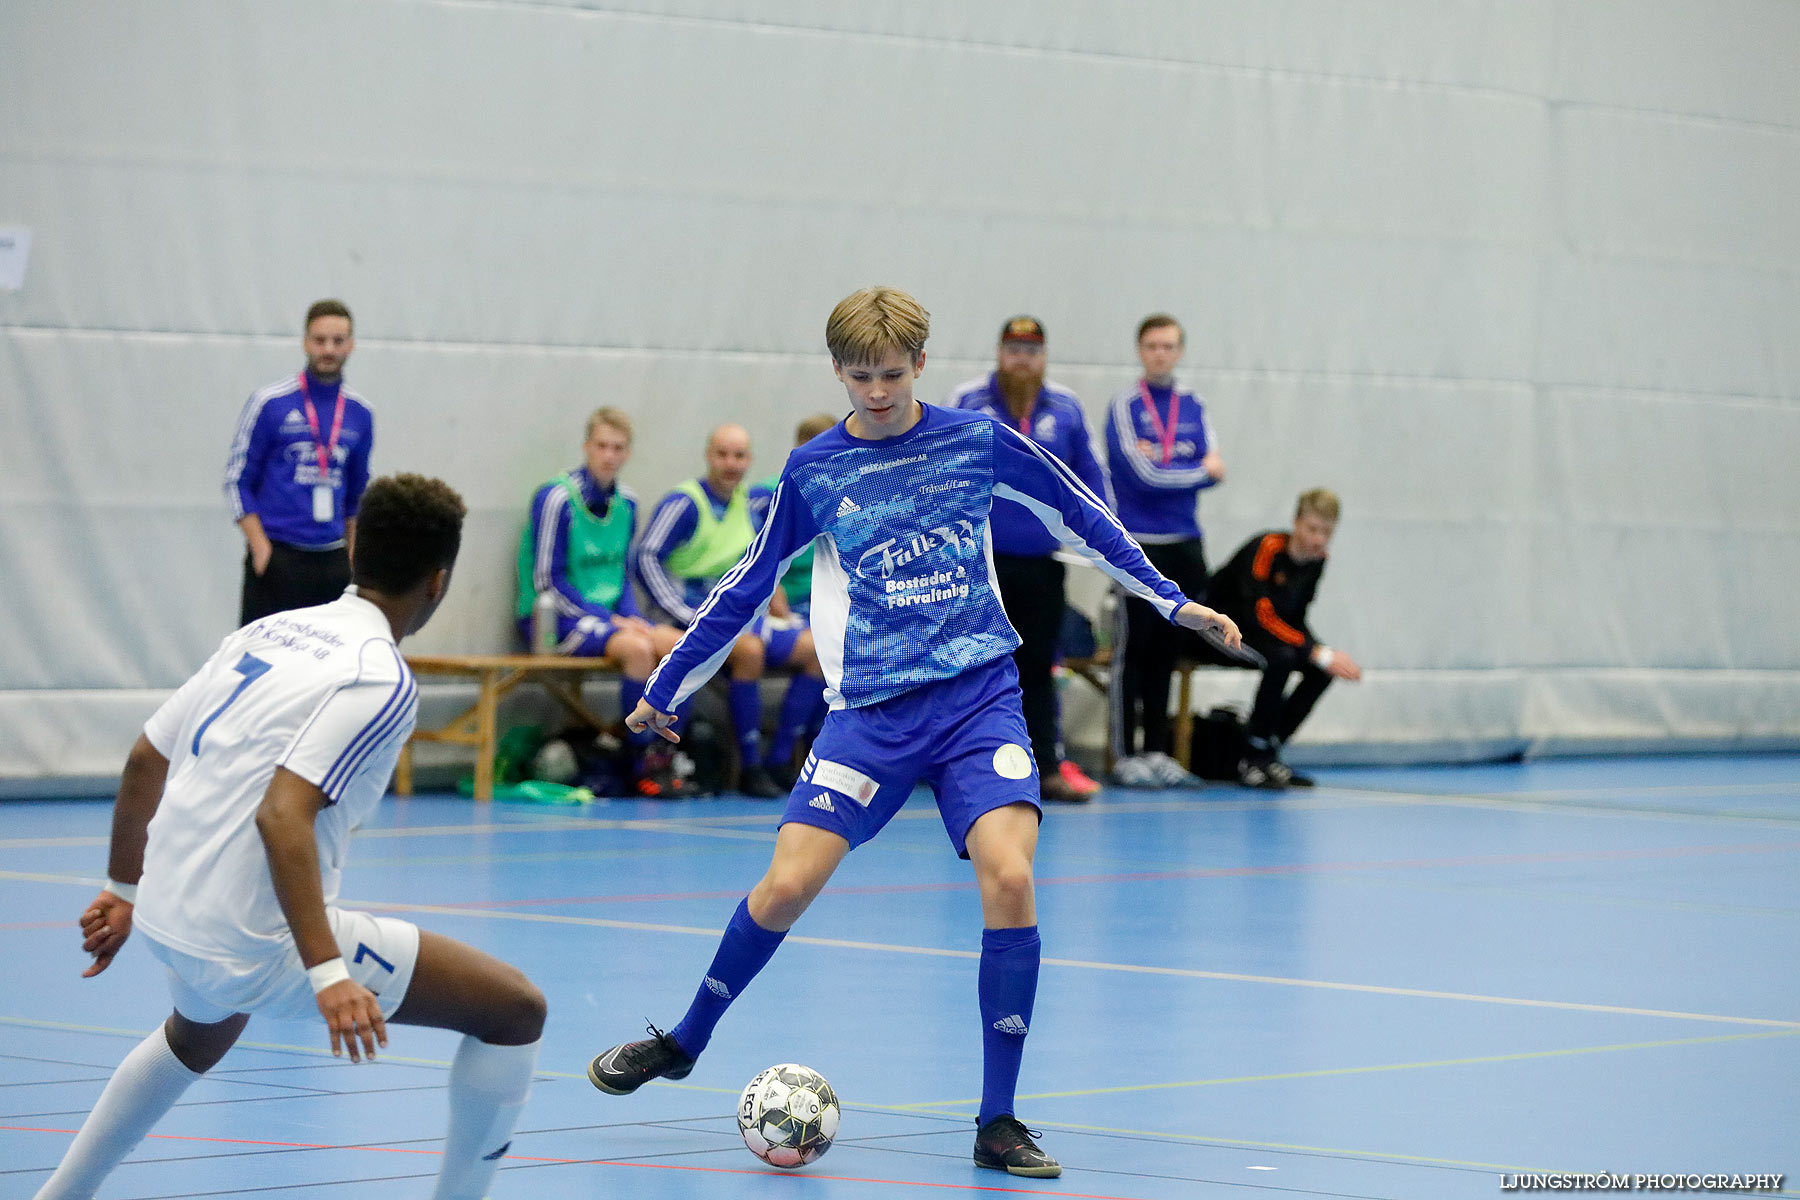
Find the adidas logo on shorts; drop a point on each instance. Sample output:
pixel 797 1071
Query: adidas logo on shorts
pixel 718 989
pixel 822 801
pixel 1014 1025
pixel 847 507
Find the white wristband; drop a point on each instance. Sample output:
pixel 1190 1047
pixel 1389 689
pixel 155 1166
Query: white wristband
pixel 1322 658
pixel 330 971
pixel 124 891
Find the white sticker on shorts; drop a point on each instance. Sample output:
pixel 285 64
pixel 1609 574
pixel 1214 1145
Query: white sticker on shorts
pixel 848 780
pixel 1012 761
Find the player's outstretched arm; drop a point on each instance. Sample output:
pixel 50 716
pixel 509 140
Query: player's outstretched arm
pixel 1200 618
pixel 106 922
pixel 285 820
pixel 736 601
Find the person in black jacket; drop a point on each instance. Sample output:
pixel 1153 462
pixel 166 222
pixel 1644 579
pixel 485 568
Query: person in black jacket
pixel 1267 587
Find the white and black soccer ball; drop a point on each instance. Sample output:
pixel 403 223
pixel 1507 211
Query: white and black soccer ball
pixel 788 1115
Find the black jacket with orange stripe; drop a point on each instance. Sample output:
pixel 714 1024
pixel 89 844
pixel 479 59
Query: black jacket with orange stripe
pixel 1267 593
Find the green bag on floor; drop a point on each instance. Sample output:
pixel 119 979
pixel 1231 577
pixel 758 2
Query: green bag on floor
pixel 531 791
pixel 512 761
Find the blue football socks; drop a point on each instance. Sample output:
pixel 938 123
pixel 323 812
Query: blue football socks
pixel 743 951
pixel 746 719
pixel 1006 988
pixel 805 693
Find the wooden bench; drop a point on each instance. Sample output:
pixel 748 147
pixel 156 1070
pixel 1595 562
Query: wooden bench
pixel 1098 672
pixel 495 675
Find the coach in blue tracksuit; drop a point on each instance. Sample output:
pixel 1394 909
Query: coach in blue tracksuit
pixel 1031 578
pixel 299 464
pixel 1162 453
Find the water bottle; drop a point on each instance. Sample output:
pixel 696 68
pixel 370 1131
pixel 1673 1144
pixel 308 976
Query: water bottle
pixel 1103 624
pixel 543 623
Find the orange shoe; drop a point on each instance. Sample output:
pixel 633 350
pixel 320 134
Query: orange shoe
pixel 1077 779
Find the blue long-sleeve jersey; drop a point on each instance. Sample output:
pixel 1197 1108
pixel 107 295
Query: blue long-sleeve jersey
pixel 1158 500
pixel 670 527
pixel 274 462
pixel 550 543
pixel 1056 423
pixel 903 575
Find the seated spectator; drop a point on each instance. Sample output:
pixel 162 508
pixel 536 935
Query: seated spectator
pixel 1266 588
pixel 576 547
pixel 796 582
pixel 697 534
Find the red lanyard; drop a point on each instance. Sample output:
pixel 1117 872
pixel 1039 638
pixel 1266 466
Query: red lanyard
pixel 1165 432
pixel 326 450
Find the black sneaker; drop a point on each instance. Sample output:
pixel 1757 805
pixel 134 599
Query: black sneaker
pixel 1252 773
pixel 757 784
pixel 1004 1144
pixel 624 1069
pixel 783 774
pixel 1296 779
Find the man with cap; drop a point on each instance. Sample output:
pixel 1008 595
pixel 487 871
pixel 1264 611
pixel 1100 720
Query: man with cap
pixel 1030 576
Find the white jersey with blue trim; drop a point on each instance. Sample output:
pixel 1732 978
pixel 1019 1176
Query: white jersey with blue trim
pixel 321 691
pixel 903 575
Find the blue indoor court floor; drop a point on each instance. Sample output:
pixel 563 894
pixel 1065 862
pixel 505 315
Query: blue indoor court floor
pixel 1407 983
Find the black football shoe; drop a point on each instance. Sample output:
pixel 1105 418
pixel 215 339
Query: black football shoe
pixel 626 1068
pixel 1004 1144
pixel 758 784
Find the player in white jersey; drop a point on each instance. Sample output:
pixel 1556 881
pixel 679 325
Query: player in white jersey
pixel 228 842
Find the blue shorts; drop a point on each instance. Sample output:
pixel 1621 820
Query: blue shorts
pixel 578 637
pixel 963 737
pixel 779 636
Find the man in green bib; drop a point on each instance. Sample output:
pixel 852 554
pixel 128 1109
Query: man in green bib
pixel 697 534
pixel 576 549
pixel 796 582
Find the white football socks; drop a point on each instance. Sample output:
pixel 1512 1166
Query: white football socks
pixel 146 1085
pixel 488 1087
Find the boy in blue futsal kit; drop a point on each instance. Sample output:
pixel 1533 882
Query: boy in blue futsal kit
pixel 917 655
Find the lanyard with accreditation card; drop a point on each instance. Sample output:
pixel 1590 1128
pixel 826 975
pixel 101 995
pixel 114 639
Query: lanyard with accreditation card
pixel 1165 432
pixel 322 498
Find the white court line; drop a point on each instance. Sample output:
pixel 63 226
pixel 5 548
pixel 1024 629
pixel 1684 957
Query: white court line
pixel 1072 963
pixel 1087 965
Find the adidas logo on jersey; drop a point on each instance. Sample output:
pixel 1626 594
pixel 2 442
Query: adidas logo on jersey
pixel 718 989
pixel 848 506
pixel 294 420
pixel 1014 1025
pixel 822 801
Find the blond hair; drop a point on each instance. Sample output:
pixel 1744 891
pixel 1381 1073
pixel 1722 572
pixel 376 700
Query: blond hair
pixel 812 427
pixel 867 324
pixel 608 415
pixel 1320 502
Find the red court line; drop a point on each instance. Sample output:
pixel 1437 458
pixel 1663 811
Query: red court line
pixel 605 1162
pixel 1325 868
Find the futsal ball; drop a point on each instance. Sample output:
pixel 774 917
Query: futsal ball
pixel 788 1115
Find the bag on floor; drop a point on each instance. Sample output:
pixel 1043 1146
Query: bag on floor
pixel 1219 744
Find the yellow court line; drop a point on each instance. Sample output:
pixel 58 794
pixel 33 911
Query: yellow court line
pixel 1162 1135
pixel 1528 802
pixel 1293 1148
pixel 1328 1072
